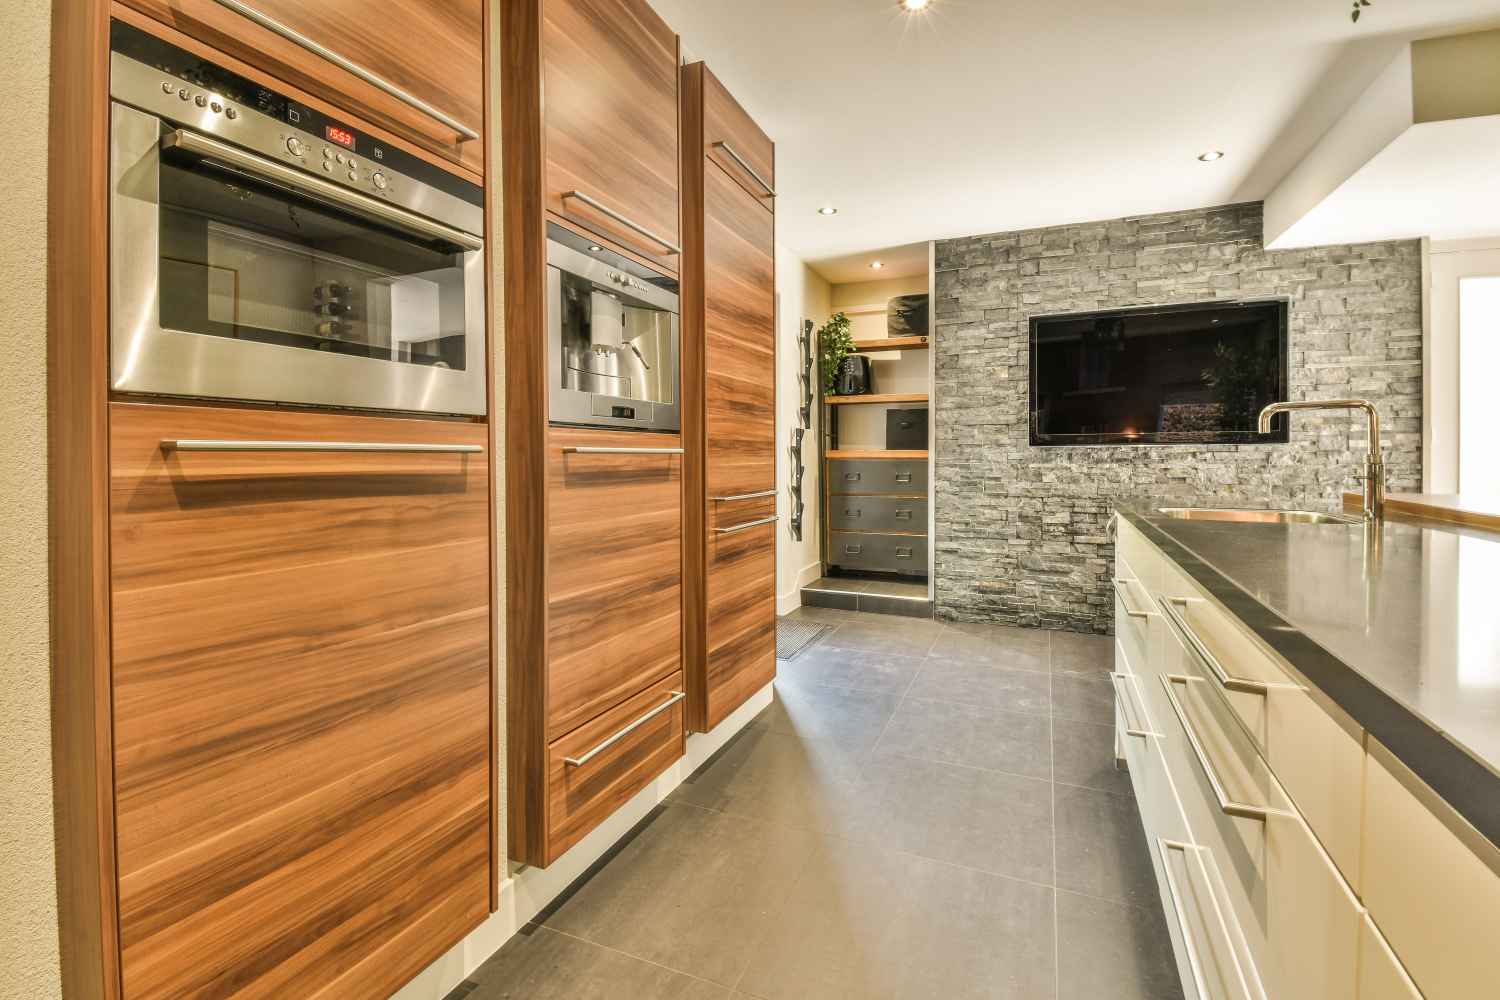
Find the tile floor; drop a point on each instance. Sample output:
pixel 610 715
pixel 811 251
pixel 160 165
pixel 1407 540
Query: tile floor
pixel 926 810
pixel 858 585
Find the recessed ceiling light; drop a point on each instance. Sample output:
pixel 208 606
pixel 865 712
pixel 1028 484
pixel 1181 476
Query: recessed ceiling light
pixel 828 210
pixel 1211 155
pixel 595 247
pixel 912 6
pixel 877 265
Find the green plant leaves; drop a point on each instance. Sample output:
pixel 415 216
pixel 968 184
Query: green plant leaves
pixel 1359 6
pixel 835 343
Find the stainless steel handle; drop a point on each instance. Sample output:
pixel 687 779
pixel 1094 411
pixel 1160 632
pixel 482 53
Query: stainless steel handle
pixel 1228 806
pixel 1191 853
pixel 622 451
pixel 853 550
pixel 227 444
pixel 903 477
pixel 322 51
pixel 1127 705
pixel 745 496
pixel 617 737
pixel 747 524
pixel 317 187
pixel 746 167
pixel 1122 589
pixel 1200 651
pixel 622 220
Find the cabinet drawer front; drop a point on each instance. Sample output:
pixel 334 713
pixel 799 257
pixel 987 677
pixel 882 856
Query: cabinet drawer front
pixel 741 638
pixel 1381 976
pixel 887 553
pixel 584 787
pixel 614 561
pixel 728 132
pixel 903 515
pixel 1134 613
pixel 301 696
pixel 901 477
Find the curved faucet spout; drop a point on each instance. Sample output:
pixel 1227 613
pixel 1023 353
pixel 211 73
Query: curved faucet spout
pixel 1374 477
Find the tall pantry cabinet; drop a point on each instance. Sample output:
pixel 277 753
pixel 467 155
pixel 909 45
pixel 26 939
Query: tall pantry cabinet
pixel 729 401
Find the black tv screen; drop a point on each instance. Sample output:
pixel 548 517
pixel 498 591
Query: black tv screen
pixel 1184 374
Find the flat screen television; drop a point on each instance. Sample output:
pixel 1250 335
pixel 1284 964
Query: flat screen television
pixel 1184 374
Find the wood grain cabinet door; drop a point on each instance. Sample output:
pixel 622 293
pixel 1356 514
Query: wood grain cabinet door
pixel 302 699
pixel 733 141
pixel 432 50
pixel 740 441
pixel 610 109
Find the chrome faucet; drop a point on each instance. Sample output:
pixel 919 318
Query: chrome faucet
pixel 1374 477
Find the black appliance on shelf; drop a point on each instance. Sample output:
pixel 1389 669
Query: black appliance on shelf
pixel 856 376
pixel 906 430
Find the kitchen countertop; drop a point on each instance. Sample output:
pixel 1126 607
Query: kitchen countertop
pixel 1399 627
pixel 1459 508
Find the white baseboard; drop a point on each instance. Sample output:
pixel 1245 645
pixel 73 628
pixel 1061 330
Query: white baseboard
pixel 528 890
pixel 792 600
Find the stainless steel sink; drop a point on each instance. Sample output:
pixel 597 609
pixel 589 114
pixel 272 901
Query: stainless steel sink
pixel 1256 516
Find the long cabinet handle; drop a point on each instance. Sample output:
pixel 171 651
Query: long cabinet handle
pixel 1200 651
pixel 1122 589
pixel 1227 806
pixel 625 221
pixel 316 187
pixel 747 525
pixel 1250 985
pixel 621 451
pixel 745 496
pixel 745 166
pixel 343 62
pixel 617 737
pixel 1127 705
pixel 233 444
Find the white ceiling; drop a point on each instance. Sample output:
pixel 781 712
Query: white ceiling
pixel 989 115
pixel 896 262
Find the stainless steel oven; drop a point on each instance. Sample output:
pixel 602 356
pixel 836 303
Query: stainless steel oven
pixel 262 250
pixel 612 338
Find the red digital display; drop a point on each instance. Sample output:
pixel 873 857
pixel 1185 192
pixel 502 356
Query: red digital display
pixel 342 137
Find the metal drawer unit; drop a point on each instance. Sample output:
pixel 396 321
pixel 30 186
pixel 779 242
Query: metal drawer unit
pixel 899 477
pixel 891 515
pixel 905 554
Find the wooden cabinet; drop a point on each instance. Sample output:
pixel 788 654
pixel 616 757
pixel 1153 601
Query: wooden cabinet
pixel 729 397
pixel 609 88
pixel 431 50
pixel 301 696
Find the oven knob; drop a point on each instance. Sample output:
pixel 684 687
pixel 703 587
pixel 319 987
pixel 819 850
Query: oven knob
pixel 295 146
pixel 182 94
pixel 217 107
pixel 353 176
pixel 168 87
pixel 231 114
pixel 201 101
pixel 378 179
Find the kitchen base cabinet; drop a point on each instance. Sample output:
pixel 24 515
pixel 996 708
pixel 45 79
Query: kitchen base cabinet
pixel 301 696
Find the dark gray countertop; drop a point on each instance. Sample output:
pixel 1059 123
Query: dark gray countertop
pixel 1399 626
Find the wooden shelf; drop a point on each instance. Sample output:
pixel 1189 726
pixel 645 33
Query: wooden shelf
pixel 889 397
pixel 891 344
pixel 873 453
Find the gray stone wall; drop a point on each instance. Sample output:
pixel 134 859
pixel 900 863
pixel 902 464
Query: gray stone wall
pixel 1021 530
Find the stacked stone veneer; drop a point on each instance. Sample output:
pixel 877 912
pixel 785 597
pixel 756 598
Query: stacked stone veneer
pixel 1021 530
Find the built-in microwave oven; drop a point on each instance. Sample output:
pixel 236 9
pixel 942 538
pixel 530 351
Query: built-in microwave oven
pixel 613 350
pixel 261 250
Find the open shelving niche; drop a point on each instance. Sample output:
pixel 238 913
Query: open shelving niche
pixel 868 332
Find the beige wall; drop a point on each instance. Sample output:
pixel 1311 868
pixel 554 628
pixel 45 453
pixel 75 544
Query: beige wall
pixel 803 294
pixel 907 371
pixel 28 891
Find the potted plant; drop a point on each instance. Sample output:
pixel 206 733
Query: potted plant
pixel 835 343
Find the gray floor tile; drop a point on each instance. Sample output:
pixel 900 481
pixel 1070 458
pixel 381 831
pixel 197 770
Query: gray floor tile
pixel 866 923
pixel 692 890
pixel 974 682
pixel 540 964
pixel 1076 653
pixel 1084 754
pixel 1082 698
pixel 1113 950
pixel 972 735
pixel 995 822
pixel 815 712
pixel 888 634
pixel 851 668
pixel 998 645
pixel 1101 848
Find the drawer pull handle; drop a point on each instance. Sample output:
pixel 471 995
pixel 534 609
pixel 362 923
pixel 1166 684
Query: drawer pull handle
pixel 1227 806
pixel 747 525
pixel 317 49
pixel 1195 645
pixel 903 552
pixel 621 451
pixel 1123 590
pixel 903 477
pixel 903 515
pixel 617 737
pixel 851 513
pixel 853 550
pixel 625 221
pixel 1193 853
pixel 747 168
pixel 211 444
pixel 1127 706
pixel 745 496
pixel 851 477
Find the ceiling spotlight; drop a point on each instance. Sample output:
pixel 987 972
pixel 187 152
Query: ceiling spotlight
pixel 877 265
pixel 594 247
pixel 1211 155
pixel 912 6
pixel 828 210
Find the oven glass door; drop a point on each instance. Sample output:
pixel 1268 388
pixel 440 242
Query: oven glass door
pixel 245 288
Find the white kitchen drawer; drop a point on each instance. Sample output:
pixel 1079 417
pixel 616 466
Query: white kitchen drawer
pixel 1313 748
pixel 1133 613
pixel 1381 976
pixel 1144 559
pixel 1213 957
pixel 1432 896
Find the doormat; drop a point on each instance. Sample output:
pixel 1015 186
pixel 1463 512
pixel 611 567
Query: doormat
pixel 793 636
